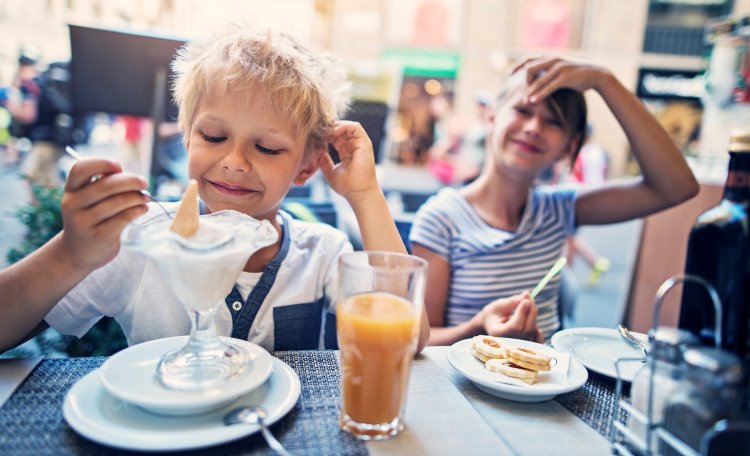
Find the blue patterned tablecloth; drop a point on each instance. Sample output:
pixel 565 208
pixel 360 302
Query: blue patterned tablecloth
pixel 31 421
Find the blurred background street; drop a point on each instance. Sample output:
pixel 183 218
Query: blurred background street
pixel 424 73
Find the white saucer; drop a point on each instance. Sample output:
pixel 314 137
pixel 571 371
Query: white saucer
pixel 598 348
pixel 549 385
pixel 130 375
pixel 98 416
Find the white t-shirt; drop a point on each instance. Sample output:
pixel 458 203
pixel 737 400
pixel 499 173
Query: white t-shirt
pixel 290 316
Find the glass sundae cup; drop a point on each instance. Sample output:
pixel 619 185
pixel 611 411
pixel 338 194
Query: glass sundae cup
pixel 201 271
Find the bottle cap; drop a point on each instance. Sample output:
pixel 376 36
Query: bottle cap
pixel 668 344
pixel 739 141
pixel 713 367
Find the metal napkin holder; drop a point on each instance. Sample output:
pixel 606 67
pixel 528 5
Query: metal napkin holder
pixel 620 436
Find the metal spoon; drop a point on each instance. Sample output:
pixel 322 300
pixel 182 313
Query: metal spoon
pixel 70 151
pixel 625 333
pixel 254 414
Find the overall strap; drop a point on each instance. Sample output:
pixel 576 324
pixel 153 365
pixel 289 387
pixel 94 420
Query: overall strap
pixel 243 316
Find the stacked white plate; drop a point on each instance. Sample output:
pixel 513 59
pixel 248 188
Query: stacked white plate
pixel 123 405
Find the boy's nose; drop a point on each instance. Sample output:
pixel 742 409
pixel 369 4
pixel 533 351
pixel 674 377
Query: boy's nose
pixel 236 160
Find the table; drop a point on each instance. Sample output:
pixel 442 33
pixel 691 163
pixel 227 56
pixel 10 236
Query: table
pixel 445 414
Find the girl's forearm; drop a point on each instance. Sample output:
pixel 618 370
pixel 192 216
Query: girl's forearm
pixel 662 165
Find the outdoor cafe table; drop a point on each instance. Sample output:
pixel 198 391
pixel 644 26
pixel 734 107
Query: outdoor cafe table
pixel 445 414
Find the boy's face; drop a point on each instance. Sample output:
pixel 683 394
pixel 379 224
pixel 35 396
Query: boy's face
pixel 244 154
pixel 527 137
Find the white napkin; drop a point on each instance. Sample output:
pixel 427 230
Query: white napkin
pixel 13 371
pixel 559 372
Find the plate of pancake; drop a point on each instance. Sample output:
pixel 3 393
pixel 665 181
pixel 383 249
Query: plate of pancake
pixel 516 370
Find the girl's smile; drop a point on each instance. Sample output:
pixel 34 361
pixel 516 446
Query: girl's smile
pixel 525 146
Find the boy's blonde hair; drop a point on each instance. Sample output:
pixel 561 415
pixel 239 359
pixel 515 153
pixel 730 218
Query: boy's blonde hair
pixel 569 106
pixel 312 88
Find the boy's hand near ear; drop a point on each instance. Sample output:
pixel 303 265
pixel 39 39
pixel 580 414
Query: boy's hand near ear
pixel 354 177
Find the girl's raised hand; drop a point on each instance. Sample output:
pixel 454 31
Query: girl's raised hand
pixel 355 174
pixel 98 202
pixel 546 75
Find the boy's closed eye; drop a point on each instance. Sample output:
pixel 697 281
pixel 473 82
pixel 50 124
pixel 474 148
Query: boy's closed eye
pixel 213 139
pixel 268 150
pixel 261 148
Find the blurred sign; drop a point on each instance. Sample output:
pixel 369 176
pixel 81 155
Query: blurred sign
pixel 661 83
pixel 426 63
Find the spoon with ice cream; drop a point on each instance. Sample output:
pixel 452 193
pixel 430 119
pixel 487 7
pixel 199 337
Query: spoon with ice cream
pixel 77 157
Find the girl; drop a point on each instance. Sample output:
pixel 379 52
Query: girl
pixel 490 241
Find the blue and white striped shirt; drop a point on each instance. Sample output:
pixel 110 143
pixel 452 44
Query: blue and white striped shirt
pixel 488 263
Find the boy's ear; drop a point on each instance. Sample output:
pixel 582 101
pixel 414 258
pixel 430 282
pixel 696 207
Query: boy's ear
pixel 309 168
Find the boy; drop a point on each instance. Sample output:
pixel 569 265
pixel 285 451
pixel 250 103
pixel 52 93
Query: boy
pixel 257 110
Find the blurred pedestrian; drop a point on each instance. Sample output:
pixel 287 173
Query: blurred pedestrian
pixel 34 117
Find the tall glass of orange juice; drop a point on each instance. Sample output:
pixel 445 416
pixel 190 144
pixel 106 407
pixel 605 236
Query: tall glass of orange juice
pixel 378 314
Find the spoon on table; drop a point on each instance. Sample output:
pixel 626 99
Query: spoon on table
pixel 77 157
pixel 625 333
pixel 557 267
pixel 255 414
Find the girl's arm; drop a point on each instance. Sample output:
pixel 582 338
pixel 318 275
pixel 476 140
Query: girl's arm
pixel 666 179
pixel 354 179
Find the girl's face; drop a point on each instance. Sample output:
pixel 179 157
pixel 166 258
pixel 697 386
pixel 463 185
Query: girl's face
pixel 527 137
pixel 244 154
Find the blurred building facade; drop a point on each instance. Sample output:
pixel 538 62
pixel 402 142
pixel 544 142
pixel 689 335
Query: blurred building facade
pixel 397 48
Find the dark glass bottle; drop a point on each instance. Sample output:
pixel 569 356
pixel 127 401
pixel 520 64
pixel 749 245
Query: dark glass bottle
pixel 719 251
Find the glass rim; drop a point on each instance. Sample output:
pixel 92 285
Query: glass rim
pixel 128 237
pixel 417 263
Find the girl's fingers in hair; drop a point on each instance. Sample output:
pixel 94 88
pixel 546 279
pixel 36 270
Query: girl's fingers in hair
pixel 86 170
pixel 534 70
pixel 544 87
pixel 518 65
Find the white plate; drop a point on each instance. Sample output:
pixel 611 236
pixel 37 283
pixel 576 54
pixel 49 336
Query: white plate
pixel 598 348
pixel 130 375
pixel 545 389
pixel 100 417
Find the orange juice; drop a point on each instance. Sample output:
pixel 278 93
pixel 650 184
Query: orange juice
pixel 377 335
